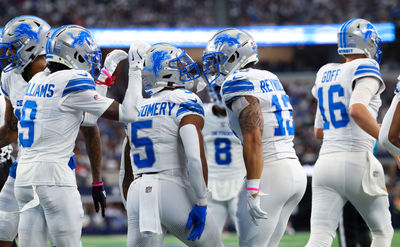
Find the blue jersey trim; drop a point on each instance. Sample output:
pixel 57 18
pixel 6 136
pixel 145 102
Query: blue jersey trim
pixel 78 88
pixel 367 71
pixel 13 170
pixel 1 86
pixel 236 89
pixel 78 81
pixel 190 107
pixel 71 162
pixel 367 67
pixel 237 83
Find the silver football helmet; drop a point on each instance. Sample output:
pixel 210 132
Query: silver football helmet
pixel 22 40
pixel 74 46
pixel 228 50
pixel 359 36
pixel 168 66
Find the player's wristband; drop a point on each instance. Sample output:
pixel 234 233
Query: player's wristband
pixel 98 185
pixel 253 185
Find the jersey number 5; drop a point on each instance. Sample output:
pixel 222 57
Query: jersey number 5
pixel 143 142
pixel 27 123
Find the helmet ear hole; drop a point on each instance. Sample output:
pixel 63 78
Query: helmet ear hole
pixel 81 59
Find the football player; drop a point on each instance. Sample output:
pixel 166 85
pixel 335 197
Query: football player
pixel 260 114
pixel 348 96
pixel 225 161
pixel 167 155
pixel 23 42
pixel 390 130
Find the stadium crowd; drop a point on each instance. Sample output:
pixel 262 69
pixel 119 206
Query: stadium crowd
pixel 166 13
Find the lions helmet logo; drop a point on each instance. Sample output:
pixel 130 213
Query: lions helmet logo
pixel 25 30
pixel 225 38
pixel 81 38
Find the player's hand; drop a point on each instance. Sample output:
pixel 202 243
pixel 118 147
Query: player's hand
pixel 99 197
pixel 197 219
pixel 253 205
pixel 137 52
pixel 110 64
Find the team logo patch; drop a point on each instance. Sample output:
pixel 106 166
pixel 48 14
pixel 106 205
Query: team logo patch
pixel 96 97
pixel 148 189
pixel 375 174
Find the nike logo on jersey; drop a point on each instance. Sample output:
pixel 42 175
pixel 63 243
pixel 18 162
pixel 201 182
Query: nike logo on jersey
pixel 193 100
pixel 237 77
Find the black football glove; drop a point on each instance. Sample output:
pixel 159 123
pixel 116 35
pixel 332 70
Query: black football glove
pixel 99 197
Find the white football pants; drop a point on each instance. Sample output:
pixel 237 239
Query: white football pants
pixel 175 203
pixel 8 203
pixel 337 179
pixel 284 181
pixel 220 211
pixel 59 213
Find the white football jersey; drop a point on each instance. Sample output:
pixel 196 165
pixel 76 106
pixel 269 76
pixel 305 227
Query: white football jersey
pixel 154 137
pixel 333 89
pixel 223 149
pixel 275 106
pixel 50 119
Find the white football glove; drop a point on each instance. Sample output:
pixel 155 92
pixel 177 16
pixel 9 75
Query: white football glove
pixel 137 52
pixel 110 64
pixel 253 205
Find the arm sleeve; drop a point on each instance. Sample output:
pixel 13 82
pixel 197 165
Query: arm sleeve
pixel 87 101
pixel 128 110
pixel 387 122
pixel 365 88
pixel 191 145
pixel 319 122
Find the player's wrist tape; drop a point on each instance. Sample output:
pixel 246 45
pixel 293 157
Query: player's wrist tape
pixel 98 185
pixel 253 185
pixel 202 202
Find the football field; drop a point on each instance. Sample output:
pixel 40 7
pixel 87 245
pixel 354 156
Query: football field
pixel 296 240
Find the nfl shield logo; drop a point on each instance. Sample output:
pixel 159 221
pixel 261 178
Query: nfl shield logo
pixel 148 189
pixel 375 174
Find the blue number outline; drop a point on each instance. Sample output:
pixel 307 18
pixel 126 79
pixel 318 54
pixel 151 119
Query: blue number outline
pixel 143 141
pixel 225 150
pixel 28 123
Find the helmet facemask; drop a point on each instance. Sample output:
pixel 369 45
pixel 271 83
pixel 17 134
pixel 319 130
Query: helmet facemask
pixel 23 39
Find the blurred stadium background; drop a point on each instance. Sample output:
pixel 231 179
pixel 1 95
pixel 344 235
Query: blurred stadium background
pixel 301 44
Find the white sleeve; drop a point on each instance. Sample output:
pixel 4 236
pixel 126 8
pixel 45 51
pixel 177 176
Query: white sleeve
pixel 191 145
pixel 365 88
pixel 387 122
pixel 319 122
pixel 90 119
pixel 87 101
pixel 122 171
pixel 128 110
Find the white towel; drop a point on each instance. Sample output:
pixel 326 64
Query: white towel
pixel 149 212
pixel 31 204
pixel 373 181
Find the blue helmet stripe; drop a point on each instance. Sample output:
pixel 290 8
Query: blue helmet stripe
pixel 48 44
pixel 77 88
pixel 346 25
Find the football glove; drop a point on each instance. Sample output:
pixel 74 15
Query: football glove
pixel 110 64
pixel 253 205
pixel 197 219
pixel 99 197
pixel 137 52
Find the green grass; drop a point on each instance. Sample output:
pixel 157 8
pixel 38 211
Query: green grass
pixel 297 240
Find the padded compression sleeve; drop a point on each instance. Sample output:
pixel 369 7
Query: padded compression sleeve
pixel 128 110
pixel 191 145
pixel 364 90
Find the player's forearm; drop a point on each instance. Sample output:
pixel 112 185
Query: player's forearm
pixel 128 176
pixel 253 154
pixel 364 119
pixel 93 146
pixel 7 136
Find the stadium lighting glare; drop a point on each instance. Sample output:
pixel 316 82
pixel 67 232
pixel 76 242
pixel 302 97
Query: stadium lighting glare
pixel 198 37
